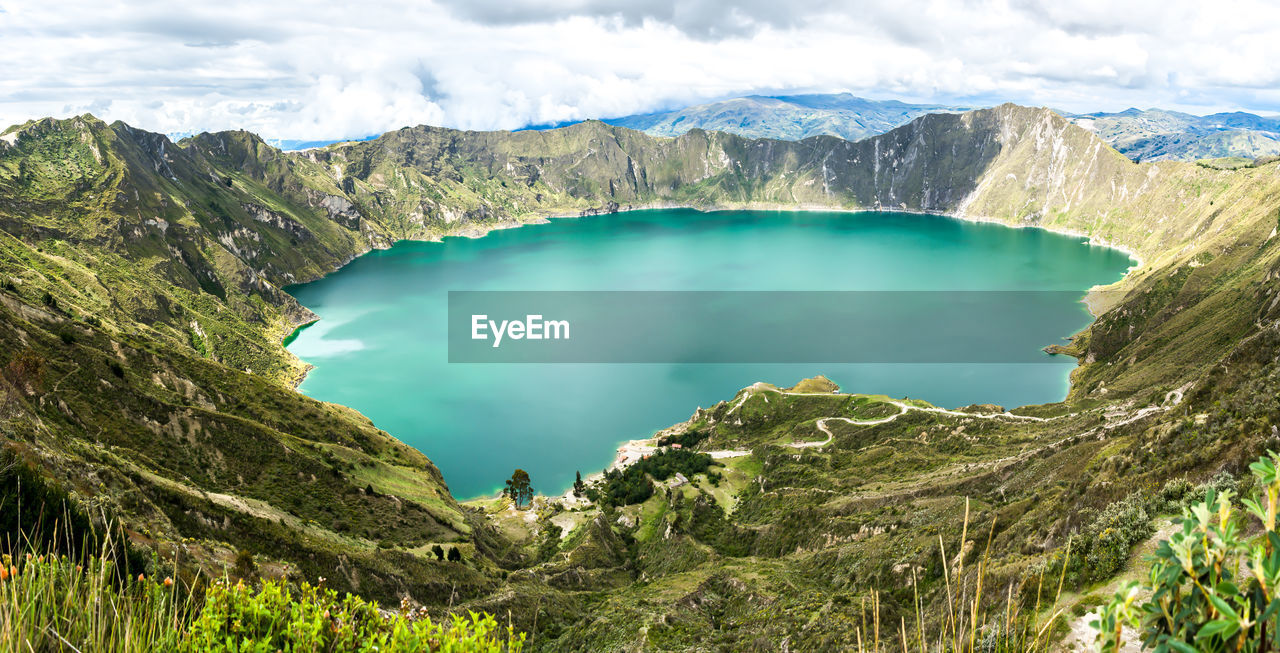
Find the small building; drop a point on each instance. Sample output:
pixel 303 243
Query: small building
pixel 677 480
pixel 677 445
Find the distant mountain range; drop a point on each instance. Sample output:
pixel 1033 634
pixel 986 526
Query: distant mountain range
pixel 1149 135
pixel 786 117
pixel 1141 135
pixel 1156 134
pixel 294 145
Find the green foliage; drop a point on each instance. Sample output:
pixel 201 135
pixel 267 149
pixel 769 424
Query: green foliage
pixel 518 488
pixel 57 602
pixel 549 543
pixel 689 439
pixel 49 602
pixel 246 566
pixel 197 342
pixel 273 618
pixel 631 485
pixel 1104 545
pixel 1213 587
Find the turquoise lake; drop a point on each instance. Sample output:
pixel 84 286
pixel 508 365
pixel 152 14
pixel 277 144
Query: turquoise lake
pixel 380 346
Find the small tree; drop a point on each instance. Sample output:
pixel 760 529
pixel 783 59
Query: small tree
pixel 455 555
pixel 518 488
pixel 246 566
pixel 578 486
pixel 438 551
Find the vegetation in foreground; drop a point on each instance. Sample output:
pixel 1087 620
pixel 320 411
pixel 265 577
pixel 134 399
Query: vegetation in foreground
pixel 1214 585
pixel 50 602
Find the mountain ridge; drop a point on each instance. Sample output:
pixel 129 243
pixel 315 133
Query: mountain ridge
pixel 1150 134
pixel 787 117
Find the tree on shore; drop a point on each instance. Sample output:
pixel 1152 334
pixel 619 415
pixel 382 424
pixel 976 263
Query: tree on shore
pixel 578 486
pixel 518 488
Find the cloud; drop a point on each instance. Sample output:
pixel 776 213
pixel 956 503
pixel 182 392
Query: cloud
pixel 708 19
pixel 327 69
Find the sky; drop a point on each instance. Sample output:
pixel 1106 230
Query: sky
pixel 324 69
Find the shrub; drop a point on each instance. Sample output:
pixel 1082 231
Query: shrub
pixel 1212 588
pixel 246 566
pixel 632 485
pixel 550 544
pixel 238 618
pixel 1105 544
pixel 50 603
pixel 688 439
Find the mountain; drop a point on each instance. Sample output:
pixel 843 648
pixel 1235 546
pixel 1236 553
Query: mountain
pixel 294 145
pixel 141 370
pixel 787 117
pixel 1156 135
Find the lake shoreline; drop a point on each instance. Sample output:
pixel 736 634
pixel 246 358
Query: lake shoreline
pixel 1090 299
pixel 626 450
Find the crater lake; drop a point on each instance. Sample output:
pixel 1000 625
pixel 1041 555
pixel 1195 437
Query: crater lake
pixel 381 343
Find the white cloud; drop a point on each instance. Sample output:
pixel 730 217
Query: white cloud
pixel 326 69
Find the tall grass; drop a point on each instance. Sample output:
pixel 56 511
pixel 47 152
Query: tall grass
pixel 969 621
pixel 51 602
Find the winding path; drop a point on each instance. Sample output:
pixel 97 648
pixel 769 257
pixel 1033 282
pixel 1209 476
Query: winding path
pixel 1173 398
pixel 903 408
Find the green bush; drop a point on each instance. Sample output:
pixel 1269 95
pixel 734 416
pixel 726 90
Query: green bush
pixel 1212 588
pixel 1106 543
pixel 688 439
pixel 238 618
pixel 51 602
pixel 632 485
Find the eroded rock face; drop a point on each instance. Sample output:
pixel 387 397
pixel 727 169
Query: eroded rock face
pixel 341 210
pixel 273 219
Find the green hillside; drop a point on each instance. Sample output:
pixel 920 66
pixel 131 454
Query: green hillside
pixel 141 370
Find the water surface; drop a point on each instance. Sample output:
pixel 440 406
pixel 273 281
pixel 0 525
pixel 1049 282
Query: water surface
pixel 381 348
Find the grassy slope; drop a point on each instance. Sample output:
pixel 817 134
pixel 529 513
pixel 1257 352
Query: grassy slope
pixel 163 286
pixel 186 305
